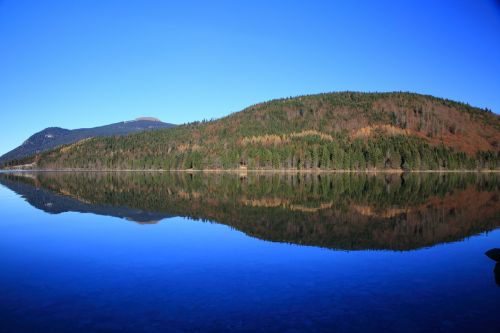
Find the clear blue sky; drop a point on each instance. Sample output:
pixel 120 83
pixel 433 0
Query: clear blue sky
pixel 88 63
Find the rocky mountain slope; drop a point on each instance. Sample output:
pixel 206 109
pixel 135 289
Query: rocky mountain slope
pixel 55 136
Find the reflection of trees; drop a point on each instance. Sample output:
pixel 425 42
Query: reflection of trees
pixel 346 211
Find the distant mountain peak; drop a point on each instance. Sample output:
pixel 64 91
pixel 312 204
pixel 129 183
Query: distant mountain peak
pixel 52 137
pixel 147 119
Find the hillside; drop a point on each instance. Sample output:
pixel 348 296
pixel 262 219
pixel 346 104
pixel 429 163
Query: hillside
pixel 350 211
pixel 55 136
pixel 327 131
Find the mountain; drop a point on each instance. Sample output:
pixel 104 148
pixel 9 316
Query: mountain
pixel 55 136
pixel 345 130
pixel 349 211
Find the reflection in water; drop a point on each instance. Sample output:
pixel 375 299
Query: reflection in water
pixel 495 255
pixel 88 273
pixel 341 211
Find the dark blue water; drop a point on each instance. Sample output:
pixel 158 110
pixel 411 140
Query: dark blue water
pixel 75 272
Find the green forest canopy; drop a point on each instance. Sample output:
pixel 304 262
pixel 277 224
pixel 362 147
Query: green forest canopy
pixel 355 131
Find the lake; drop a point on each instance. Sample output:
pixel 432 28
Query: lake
pixel 256 252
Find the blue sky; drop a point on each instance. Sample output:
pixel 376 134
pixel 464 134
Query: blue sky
pixel 87 63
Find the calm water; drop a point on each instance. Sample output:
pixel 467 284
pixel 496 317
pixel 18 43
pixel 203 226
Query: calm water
pixel 104 252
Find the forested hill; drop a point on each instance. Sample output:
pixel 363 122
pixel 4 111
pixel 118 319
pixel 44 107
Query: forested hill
pixel 344 130
pixel 55 136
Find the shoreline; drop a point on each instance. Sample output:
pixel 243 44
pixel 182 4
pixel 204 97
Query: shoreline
pixel 243 171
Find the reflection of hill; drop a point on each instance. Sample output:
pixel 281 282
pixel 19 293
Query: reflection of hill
pixel 344 211
pixel 55 203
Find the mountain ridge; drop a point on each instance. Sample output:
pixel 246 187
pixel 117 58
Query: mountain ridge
pixel 342 130
pixel 52 137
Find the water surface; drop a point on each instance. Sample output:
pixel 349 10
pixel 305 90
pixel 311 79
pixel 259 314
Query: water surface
pixel 178 252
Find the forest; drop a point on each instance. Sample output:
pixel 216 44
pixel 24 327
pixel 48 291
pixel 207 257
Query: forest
pixel 335 131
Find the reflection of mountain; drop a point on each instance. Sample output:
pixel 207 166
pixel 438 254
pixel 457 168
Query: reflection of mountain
pixel 56 203
pixel 344 211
